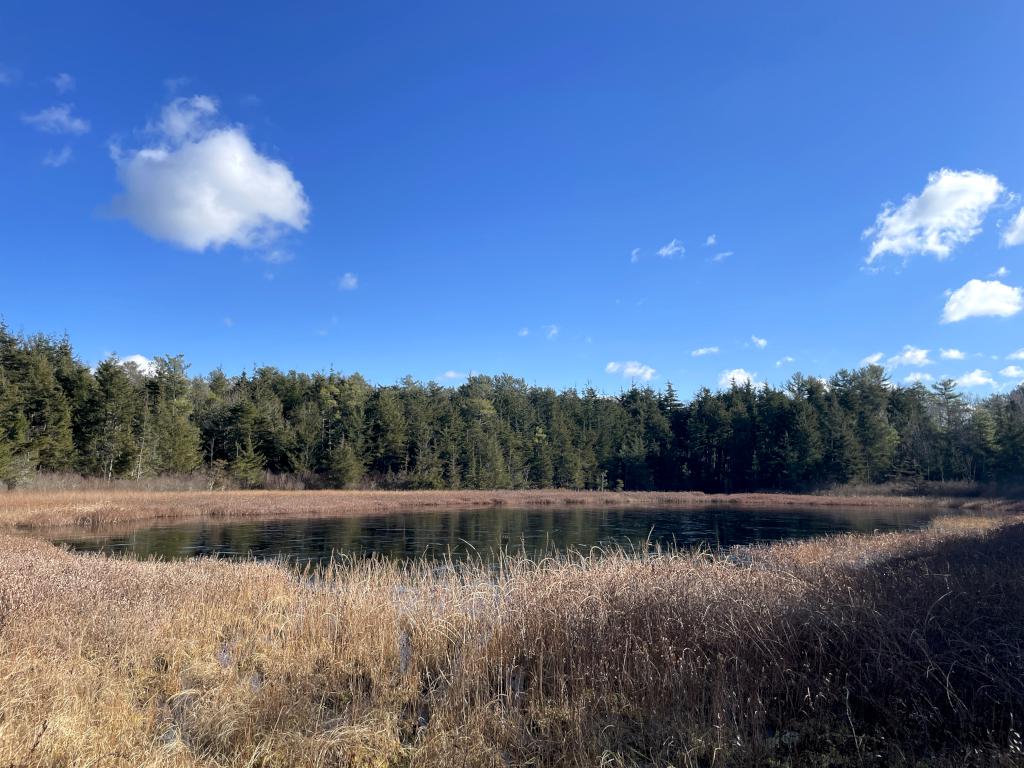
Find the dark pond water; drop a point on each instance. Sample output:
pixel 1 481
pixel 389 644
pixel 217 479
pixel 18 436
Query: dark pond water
pixel 487 532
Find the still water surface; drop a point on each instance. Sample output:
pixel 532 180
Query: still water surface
pixel 487 532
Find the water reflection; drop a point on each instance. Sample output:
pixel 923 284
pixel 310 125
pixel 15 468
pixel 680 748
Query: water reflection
pixel 487 532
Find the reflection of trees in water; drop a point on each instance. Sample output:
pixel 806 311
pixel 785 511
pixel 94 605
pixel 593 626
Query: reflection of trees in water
pixel 484 533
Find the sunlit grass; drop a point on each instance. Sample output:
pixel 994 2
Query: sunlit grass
pixel 829 651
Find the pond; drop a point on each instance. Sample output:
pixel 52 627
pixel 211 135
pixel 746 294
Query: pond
pixel 485 533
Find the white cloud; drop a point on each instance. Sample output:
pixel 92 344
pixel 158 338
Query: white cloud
pixel 1001 272
pixel 348 282
pixel 740 376
pixel 720 257
pixel 759 342
pixel 1014 233
pixel 948 212
pixel 634 256
pixel 57 159
pixel 982 298
pixel 784 361
pixel 951 354
pixel 204 186
pixel 874 359
pixel 277 257
pixel 551 331
pixel 704 351
pixel 675 248
pixel 453 375
pixel 1018 355
pixel 712 239
pixel 63 83
pixel 976 378
pixel 631 369
pixel 1012 372
pixel 910 356
pixel 918 377
pixel 523 332
pixel 146 366
pixel 57 120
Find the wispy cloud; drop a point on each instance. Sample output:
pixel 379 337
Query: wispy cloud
pixel 982 298
pixel 8 76
pixel 58 120
pixel 348 282
pixel 55 159
pixel 759 342
pixel 711 240
pixel 63 83
pixel 229 322
pixel 702 351
pixel 1014 233
pixel 453 375
pixel 524 331
pixel 634 256
pixel 948 212
pixel 632 369
pixel 1018 355
pixel 671 250
pixel 551 331
pixel 144 365
pixel 1012 372
pixel 277 256
pixel 785 361
pixel 918 377
pixel 874 359
pixel 720 257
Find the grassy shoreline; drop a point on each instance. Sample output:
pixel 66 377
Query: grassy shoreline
pixel 29 510
pixel 845 650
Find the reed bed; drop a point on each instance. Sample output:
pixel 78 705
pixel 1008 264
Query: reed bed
pixel 97 508
pixel 887 649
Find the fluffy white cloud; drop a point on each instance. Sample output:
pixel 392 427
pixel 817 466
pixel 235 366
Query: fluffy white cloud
pixel 205 186
pixel 874 359
pixel 57 159
pixel 739 376
pixel 146 366
pixel 1014 232
pixel 348 282
pixel 1012 372
pixel 910 356
pixel 976 378
pixel 1001 272
pixel 712 239
pixel 1018 355
pixel 63 82
pixel 675 248
pixel 759 342
pixel 918 377
pixel 631 369
pixel 982 298
pixel 704 351
pixel 951 354
pixel 949 211
pixel 57 120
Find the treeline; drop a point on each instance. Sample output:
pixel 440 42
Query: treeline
pixel 332 430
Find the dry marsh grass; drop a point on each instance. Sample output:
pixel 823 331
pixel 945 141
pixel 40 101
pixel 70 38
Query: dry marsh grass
pixel 96 508
pixel 902 648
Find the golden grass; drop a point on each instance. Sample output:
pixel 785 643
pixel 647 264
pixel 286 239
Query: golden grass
pixel 97 508
pixel 904 646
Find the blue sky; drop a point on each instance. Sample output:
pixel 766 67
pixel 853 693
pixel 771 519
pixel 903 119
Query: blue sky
pixel 437 189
